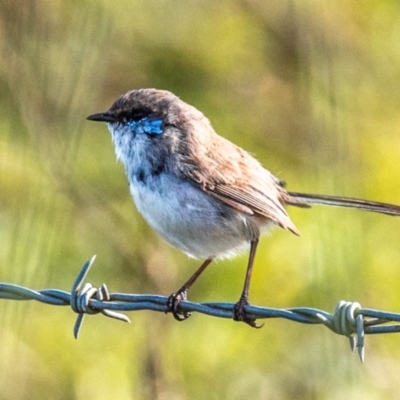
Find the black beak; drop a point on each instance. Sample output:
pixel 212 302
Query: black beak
pixel 102 117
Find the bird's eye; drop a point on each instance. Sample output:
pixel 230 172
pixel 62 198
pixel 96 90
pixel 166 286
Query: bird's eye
pixel 149 125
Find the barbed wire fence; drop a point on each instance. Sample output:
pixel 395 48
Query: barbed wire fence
pixel 349 318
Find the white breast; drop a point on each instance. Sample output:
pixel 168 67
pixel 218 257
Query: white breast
pixel 190 219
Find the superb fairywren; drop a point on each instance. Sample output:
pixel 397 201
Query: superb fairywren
pixel 197 190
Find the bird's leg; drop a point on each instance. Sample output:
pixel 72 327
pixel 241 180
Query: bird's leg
pixel 181 294
pixel 239 312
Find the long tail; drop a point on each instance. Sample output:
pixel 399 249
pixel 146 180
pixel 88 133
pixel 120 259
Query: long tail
pixel 307 200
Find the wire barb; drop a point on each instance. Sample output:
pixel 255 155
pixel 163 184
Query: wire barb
pixel 348 322
pixel 349 318
pixel 81 299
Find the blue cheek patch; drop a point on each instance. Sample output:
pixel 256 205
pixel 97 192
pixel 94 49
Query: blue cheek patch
pixel 151 126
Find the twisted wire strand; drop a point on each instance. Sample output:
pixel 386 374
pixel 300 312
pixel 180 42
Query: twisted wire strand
pixel 349 318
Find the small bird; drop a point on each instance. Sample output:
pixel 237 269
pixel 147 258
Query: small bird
pixel 200 192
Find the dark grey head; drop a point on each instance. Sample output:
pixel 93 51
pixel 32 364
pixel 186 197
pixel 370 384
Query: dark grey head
pixel 148 105
pixel 154 112
pixel 155 127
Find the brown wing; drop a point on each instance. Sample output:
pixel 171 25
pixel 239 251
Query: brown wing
pixel 249 201
pixel 233 176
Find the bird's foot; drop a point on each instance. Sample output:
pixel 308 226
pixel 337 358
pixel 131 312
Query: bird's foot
pixel 239 313
pixel 173 305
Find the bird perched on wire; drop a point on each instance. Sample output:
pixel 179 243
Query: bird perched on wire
pixel 197 190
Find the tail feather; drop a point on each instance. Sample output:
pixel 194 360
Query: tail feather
pixel 307 200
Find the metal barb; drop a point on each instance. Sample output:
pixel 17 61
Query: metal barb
pixel 360 337
pixel 347 320
pixel 81 299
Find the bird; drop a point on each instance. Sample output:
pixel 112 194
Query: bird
pixel 200 192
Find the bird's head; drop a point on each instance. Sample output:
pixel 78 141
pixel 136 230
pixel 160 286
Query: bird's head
pixel 151 125
pixel 144 111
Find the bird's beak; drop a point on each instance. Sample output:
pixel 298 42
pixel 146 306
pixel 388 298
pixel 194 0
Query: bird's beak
pixel 102 117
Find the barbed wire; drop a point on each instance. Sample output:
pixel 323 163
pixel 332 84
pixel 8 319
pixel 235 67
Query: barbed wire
pixel 349 318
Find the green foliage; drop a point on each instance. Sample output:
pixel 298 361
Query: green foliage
pixel 310 87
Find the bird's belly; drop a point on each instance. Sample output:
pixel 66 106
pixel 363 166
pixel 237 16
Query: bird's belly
pixel 192 220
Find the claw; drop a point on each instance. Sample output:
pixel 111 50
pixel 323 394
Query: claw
pixel 173 305
pixel 239 314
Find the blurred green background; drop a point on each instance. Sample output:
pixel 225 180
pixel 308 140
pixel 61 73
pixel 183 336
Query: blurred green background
pixel 311 87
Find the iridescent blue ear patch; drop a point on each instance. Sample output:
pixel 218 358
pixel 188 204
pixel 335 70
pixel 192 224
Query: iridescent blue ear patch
pixel 151 126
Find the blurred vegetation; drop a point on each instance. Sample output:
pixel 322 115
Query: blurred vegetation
pixel 311 87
